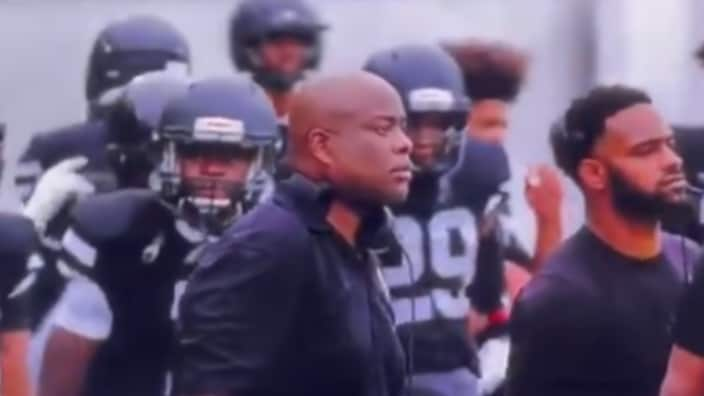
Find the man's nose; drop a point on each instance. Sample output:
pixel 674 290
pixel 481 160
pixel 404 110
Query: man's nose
pixel 212 168
pixel 672 159
pixel 403 144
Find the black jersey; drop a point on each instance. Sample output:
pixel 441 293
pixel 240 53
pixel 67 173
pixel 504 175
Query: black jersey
pixel 130 244
pixel 432 291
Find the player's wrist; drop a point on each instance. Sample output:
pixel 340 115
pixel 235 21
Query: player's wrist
pixel 550 217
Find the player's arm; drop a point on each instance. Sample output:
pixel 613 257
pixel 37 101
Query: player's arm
pixel 226 343
pixel 543 190
pixel 685 373
pixel 516 277
pixel 82 321
pixel 13 368
pixel 487 286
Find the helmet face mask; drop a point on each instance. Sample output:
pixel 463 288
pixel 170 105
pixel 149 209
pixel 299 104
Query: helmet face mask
pixel 216 175
pixel 212 141
pixel 436 138
pixel 210 179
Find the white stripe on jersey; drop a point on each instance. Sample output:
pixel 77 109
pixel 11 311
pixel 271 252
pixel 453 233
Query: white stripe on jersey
pixel 23 285
pixel 79 248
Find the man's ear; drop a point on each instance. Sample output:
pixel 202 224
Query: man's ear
pixel 319 144
pixel 593 174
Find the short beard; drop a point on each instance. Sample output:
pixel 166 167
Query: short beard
pixel 635 204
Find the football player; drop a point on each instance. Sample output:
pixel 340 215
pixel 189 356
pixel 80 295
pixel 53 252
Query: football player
pixel 128 130
pixel 122 50
pixel 277 42
pixel 131 250
pixel 452 258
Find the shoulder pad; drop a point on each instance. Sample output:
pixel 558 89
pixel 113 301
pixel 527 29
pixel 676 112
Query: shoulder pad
pixel 127 215
pixel 86 138
pixel 17 235
pixel 480 171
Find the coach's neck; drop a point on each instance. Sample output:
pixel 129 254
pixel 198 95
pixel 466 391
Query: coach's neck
pixel 345 219
pixel 636 238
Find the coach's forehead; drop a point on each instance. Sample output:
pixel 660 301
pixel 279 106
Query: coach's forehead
pixel 635 125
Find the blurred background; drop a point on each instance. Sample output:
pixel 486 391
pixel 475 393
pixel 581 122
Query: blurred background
pixel 572 44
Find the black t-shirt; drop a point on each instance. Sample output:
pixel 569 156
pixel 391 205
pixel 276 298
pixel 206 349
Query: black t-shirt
pixel 595 322
pixel 689 327
pixel 280 305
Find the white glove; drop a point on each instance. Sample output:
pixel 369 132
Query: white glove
pixel 58 186
pixel 493 363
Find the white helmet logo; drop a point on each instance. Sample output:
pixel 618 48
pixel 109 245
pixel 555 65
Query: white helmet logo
pixel 430 99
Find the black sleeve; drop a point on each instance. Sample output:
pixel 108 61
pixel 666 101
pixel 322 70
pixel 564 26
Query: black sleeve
pixel 487 287
pixel 516 252
pixel 689 325
pixel 551 325
pixel 236 313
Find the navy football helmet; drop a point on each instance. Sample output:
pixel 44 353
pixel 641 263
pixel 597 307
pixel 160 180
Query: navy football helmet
pixel 132 120
pixel 217 118
pixel 431 87
pixel 256 21
pixel 127 48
